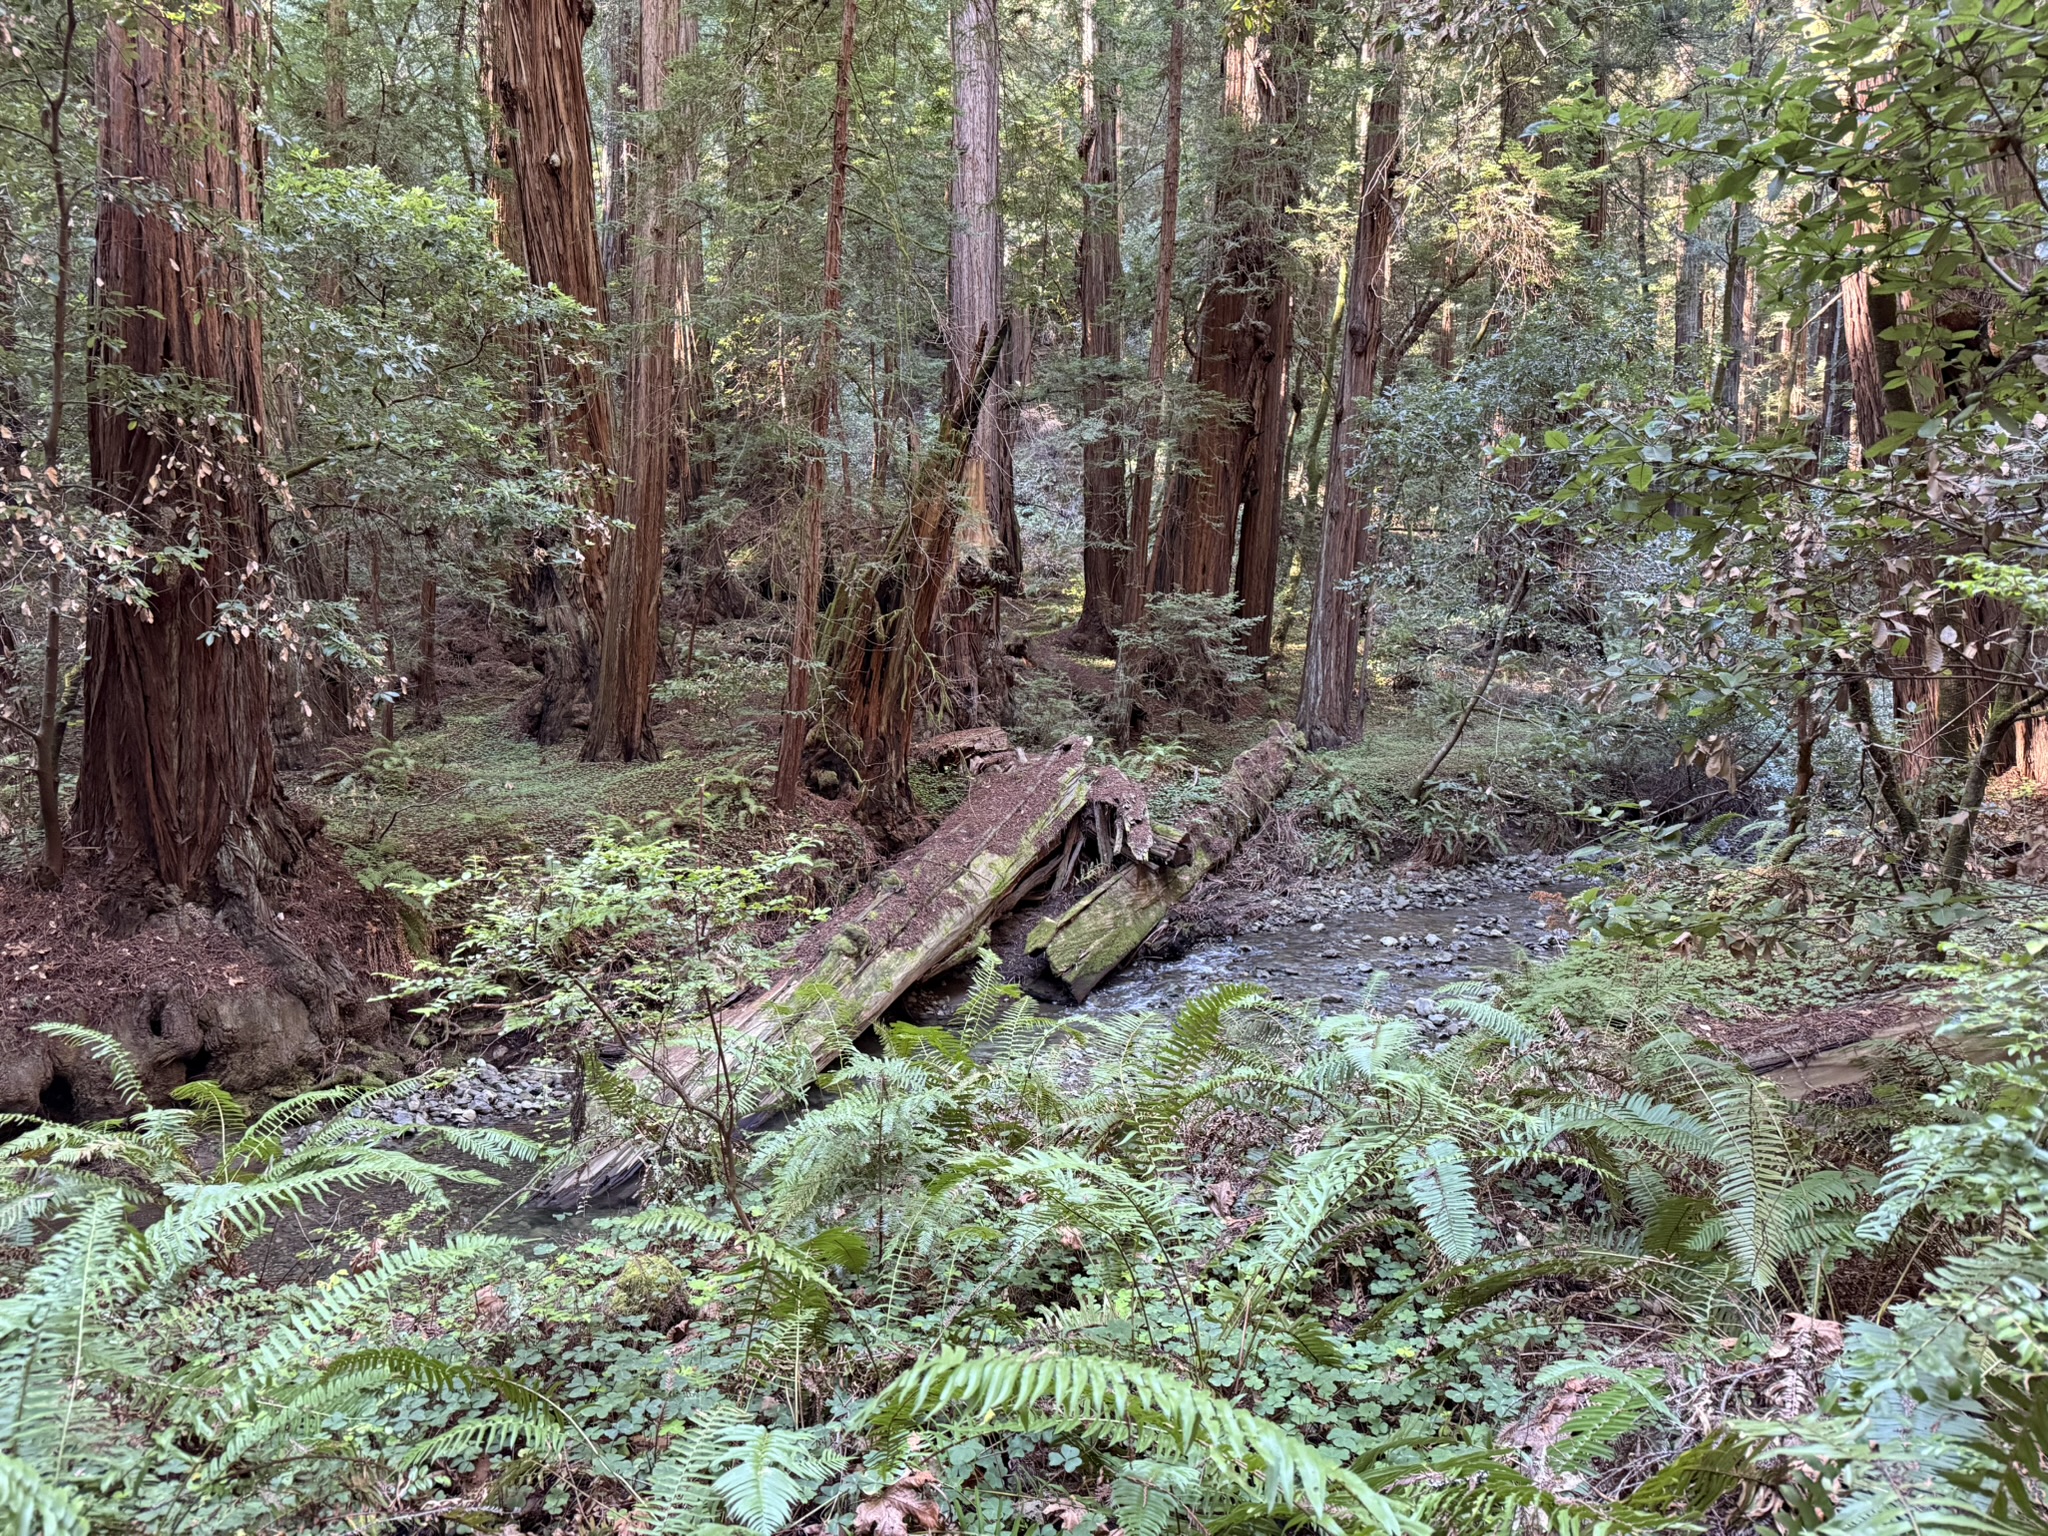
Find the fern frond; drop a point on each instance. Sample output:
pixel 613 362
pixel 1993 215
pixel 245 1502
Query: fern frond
pixel 36 1506
pixel 1273 1462
pixel 108 1052
pixel 1440 1184
pixel 769 1472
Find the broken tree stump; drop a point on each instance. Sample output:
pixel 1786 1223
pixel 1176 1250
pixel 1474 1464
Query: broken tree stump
pixel 1104 928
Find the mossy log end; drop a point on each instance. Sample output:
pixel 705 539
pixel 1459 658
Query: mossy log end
pixel 1101 930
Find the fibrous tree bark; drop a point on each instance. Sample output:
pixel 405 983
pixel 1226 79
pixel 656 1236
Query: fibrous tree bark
pixel 1139 578
pixel 890 612
pixel 987 551
pixel 1326 713
pixel 1229 471
pixel 177 785
pixel 544 144
pixel 619 722
pixel 796 703
pixel 1105 552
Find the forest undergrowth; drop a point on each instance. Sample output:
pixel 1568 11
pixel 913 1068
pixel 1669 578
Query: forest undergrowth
pixel 1236 1266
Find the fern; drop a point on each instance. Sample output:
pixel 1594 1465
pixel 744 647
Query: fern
pixel 34 1505
pixel 1440 1184
pixel 1273 1462
pixel 108 1052
pixel 767 1473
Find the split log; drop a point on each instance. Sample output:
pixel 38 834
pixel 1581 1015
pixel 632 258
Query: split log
pixel 917 917
pixel 1104 928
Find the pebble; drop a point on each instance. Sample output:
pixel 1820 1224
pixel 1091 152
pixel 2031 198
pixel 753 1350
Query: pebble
pixel 477 1093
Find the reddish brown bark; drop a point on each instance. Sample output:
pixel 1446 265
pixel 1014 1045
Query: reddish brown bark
pixel 987 550
pixel 1242 337
pixel 1140 579
pixel 619 724
pixel 1105 552
pixel 803 645
pixel 544 142
pixel 177 785
pixel 879 674
pixel 1327 714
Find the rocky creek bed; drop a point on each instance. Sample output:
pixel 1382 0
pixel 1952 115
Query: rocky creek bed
pixel 1330 942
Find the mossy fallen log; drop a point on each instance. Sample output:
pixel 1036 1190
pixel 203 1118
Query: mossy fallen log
pixel 1105 927
pixel 914 918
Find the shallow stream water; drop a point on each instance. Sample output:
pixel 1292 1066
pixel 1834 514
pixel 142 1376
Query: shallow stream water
pixel 1330 941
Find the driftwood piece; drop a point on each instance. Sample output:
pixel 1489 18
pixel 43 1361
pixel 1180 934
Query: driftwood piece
pixel 1101 930
pixel 914 919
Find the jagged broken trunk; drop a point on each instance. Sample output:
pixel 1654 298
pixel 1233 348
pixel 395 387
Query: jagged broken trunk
pixel 1095 935
pixel 1022 832
pixel 882 628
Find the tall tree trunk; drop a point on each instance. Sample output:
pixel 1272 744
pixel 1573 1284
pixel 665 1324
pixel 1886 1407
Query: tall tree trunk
pixel 1594 220
pixel 544 110
pixel 1105 554
pixel 1328 671
pixel 335 64
pixel 1738 321
pixel 803 645
pixel 619 724
pixel 178 785
pixel 976 671
pixel 1242 335
pixel 1139 579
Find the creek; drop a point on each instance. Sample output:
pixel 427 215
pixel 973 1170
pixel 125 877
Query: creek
pixel 1330 942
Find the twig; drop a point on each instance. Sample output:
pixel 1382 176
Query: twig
pixel 1500 636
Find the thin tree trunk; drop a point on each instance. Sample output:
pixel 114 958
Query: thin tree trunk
pixel 803 645
pixel 1325 713
pixel 426 682
pixel 537 82
pixel 48 735
pixel 1738 310
pixel 177 785
pixel 1139 578
pixel 1105 553
pixel 620 724
pixel 335 64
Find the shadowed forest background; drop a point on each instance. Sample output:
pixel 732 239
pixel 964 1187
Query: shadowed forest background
pixel 1027 766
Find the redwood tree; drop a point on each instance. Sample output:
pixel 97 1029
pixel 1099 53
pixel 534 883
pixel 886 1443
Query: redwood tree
pixel 803 645
pixel 177 784
pixel 1327 684
pixel 1139 579
pixel 1233 463
pixel 619 724
pixel 544 144
pixel 1099 269
pixel 986 549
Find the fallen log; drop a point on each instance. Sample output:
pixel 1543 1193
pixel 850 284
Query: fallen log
pixel 916 917
pixel 1105 927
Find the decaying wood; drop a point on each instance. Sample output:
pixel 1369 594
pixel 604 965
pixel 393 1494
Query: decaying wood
pixel 917 917
pixel 1101 930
